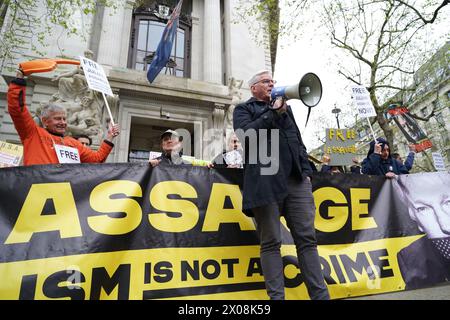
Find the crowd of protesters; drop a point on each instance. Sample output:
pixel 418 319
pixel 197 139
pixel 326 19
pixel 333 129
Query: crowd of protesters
pixel 288 190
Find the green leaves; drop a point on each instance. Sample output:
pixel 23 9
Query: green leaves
pixel 31 23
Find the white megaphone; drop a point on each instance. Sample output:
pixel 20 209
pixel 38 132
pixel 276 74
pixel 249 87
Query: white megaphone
pixel 308 90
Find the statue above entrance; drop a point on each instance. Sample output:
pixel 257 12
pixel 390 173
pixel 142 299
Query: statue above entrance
pixel 84 106
pixel 234 90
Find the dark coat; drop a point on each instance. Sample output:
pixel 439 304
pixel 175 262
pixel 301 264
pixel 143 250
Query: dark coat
pixel 260 190
pixel 422 265
pixel 375 165
pixel 219 160
pixel 313 166
pixel 355 169
pixel 166 159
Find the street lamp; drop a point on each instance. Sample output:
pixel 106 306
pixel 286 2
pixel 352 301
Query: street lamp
pixel 336 110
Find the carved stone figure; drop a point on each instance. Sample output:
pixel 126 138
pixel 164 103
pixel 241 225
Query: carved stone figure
pixel 84 106
pixel 236 96
pixel 72 85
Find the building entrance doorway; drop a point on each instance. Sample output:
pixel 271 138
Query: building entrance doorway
pixel 145 137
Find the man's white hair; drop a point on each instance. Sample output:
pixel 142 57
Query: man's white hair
pixel 49 108
pixel 253 80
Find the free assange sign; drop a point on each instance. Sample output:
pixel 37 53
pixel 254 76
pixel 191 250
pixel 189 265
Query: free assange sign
pixel 340 145
pixel 438 160
pixel 95 76
pixel 364 105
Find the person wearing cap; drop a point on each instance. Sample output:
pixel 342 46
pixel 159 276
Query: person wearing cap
pixel 171 150
pixel 49 144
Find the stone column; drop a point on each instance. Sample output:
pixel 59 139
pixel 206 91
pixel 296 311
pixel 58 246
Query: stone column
pixel 218 116
pixel 212 59
pixel 115 35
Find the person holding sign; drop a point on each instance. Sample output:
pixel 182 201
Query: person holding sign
pixel 49 145
pixel 409 159
pixel 231 158
pixel 380 162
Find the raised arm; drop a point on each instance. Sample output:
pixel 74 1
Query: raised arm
pixel 21 117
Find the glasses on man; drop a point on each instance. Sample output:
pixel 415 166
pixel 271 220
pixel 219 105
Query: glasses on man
pixel 266 81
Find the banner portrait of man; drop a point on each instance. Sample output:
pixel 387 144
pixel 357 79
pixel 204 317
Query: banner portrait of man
pixel 426 261
pixel 409 127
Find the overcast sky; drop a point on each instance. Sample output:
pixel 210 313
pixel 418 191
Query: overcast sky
pixel 312 54
pixel 295 60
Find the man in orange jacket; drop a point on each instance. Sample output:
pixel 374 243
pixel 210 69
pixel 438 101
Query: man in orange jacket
pixel 48 145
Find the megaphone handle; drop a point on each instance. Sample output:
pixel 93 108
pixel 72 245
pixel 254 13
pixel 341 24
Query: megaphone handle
pixel 307 117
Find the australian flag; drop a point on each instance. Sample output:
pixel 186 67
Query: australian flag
pixel 162 54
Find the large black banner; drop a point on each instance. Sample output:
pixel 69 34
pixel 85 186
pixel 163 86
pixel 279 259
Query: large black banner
pixel 127 231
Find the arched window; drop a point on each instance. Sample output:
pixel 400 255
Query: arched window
pixel 149 22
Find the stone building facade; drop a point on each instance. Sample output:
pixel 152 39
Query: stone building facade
pixel 213 57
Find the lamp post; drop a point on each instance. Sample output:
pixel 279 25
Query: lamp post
pixel 336 110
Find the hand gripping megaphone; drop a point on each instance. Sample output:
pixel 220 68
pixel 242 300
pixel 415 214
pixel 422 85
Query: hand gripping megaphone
pixel 308 90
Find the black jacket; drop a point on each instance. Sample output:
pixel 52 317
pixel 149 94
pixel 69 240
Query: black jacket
pixel 167 159
pixel 375 165
pixel 220 160
pixel 355 169
pixel 261 189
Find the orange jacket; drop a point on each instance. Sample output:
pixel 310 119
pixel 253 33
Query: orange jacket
pixel 38 142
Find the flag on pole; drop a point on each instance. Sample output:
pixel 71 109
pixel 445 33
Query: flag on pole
pixel 164 49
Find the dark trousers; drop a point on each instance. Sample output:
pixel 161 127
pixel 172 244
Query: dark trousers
pixel 299 212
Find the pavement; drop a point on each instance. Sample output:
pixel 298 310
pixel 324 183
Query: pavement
pixel 440 292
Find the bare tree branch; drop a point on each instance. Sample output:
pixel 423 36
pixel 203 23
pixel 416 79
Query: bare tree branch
pixel 349 78
pixel 421 17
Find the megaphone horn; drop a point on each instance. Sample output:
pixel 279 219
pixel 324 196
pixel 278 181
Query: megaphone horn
pixel 308 90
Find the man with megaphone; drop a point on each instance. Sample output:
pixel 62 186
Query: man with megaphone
pixel 287 191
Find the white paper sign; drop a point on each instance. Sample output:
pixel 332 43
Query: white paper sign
pixel 10 154
pixel 438 160
pixel 95 76
pixel 67 154
pixel 154 155
pixel 234 157
pixel 362 101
